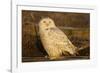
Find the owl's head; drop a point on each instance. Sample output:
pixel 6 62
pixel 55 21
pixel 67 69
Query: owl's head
pixel 46 23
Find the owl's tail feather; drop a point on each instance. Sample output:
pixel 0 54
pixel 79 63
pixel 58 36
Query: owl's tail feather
pixel 73 52
pixel 66 53
pixel 76 52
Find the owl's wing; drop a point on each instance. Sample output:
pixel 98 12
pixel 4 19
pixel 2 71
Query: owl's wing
pixel 60 40
pixel 57 35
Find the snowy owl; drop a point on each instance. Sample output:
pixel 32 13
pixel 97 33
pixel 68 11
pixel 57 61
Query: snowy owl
pixel 54 41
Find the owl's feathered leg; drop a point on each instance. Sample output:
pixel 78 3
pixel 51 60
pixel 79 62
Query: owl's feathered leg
pixel 56 57
pixel 53 58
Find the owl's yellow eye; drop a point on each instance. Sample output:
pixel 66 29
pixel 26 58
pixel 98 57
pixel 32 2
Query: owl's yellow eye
pixel 44 21
pixel 49 21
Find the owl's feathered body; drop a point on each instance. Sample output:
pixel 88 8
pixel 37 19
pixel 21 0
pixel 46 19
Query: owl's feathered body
pixel 55 42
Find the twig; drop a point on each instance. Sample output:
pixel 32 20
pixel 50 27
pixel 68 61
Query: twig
pixel 35 27
pixel 83 47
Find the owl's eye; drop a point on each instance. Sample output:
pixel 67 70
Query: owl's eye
pixel 44 21
pixel 49 21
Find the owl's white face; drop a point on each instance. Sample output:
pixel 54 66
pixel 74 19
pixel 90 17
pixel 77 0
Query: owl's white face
pixel 46 23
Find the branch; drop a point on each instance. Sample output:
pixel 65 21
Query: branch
pixel 83 47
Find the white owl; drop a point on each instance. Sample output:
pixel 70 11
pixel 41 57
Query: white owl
pixel 54 41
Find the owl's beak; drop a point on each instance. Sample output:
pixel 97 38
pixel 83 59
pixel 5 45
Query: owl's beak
pixel 47 24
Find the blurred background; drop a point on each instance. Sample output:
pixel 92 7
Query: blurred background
pixel 75 25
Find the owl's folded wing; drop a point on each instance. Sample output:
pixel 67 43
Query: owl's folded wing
pixel 61 40
pixel 57 35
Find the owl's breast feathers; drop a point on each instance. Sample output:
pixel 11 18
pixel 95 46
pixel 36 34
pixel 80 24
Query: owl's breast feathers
pixel 56 38
pixel 56 34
